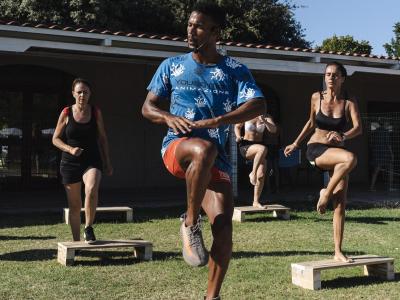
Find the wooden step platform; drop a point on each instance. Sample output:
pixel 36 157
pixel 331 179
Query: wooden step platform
pixel 308 274
pixel 66 250
pixel 113 209
pixel 278 211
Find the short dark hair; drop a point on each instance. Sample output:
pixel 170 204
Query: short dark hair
pixel 213 10
pixel 80 80
pixel 341 68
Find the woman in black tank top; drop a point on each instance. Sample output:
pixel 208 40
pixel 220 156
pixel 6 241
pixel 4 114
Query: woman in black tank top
pixel 81 136
pixel 330 111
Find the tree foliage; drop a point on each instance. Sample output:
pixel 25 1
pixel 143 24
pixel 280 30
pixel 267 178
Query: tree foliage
pixel 345 44
pixel 393 48
pixel 252 21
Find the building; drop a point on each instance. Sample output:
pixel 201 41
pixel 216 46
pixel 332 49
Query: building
pixel 38 63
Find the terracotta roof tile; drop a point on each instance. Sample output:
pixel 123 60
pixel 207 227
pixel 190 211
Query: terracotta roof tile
pixel 177 38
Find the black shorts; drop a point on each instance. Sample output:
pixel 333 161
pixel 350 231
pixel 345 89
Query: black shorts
pixel 315 150
pixel 244 146
pixel 72 172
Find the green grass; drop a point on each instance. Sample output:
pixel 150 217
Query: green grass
pixel 264 248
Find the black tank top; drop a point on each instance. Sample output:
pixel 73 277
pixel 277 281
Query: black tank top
pixel 83 135
pixel 324 122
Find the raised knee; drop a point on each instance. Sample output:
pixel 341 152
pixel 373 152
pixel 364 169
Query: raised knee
pixel 351 159
pixel 205 152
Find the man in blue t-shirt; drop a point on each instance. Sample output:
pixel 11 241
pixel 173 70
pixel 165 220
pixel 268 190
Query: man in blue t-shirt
pixel 208 92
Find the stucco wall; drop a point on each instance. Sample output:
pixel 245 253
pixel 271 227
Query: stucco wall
pixel 119 89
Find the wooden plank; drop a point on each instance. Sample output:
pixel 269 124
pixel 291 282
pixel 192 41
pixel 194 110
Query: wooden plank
pixel 358 261
pixel 66 250
pixel 307 274
pixel 126 209
pixel 279 211
pixel 270 207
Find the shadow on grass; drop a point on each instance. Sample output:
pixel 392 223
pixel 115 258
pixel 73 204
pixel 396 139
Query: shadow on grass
pixel 23 220
pixel 116 258
pixel 252 254
pixel 364 220
pixel 30 255
pixel 29 237
pixel 269 218
pixel 349 282
pixel 103 257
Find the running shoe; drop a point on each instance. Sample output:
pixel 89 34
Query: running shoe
pixel 194 252
pixel 88 235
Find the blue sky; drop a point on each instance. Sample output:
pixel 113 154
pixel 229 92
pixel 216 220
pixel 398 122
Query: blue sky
pixel 370 20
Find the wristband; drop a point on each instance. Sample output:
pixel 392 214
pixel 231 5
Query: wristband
pixel 343 137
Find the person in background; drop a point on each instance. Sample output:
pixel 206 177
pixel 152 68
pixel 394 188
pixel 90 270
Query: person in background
pixel 252 148
pixel 84 153
pixel 334 118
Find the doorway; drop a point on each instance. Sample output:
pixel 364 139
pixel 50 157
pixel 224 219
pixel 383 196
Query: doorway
pixel 31 99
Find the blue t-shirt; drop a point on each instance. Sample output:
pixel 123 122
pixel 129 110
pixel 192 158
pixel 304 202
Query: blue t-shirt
pixel 199 92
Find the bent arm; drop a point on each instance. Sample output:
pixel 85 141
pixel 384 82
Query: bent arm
pixel 56 140
pixel 356 121
pixel 152 112
pixel 247 111
pixel 238 134
pixel 269 123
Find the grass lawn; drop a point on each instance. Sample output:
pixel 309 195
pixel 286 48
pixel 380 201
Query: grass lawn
pixel 264 248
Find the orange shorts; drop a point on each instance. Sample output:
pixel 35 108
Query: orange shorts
pixel 175 169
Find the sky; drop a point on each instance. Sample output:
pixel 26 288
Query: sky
pixel 370 20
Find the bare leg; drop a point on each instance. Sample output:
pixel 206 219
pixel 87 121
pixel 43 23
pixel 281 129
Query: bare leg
pixel 74 204
pixel 258 188
pixel 197 157
pixel 341 162
pixel 218 204
pixel 257 153
pixel 91 179
pixel 339 199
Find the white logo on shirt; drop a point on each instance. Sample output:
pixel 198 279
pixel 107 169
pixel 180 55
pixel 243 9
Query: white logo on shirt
pixel 213 133
pixel 247 93
pixel 165 78
pixel 230 62
pixel 200 102
pixel 177 70
pixel 189 114
pixel 228 105
pixel 218 74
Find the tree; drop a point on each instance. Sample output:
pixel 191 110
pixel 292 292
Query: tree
pixel 393 48
pixel 345 44
pixel 251 21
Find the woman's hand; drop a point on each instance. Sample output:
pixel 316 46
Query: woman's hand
pixel 334 136
pixel 76 151
pixel 289 149
pixel 239 139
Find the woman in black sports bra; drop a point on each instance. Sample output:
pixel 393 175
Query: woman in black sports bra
pixel 85 151
pixel 330 112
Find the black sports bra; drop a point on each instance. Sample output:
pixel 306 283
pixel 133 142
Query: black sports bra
pixel 324 122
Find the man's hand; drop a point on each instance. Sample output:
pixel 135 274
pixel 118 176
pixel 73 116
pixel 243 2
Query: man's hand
pixel 179 124
pixel 207 123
